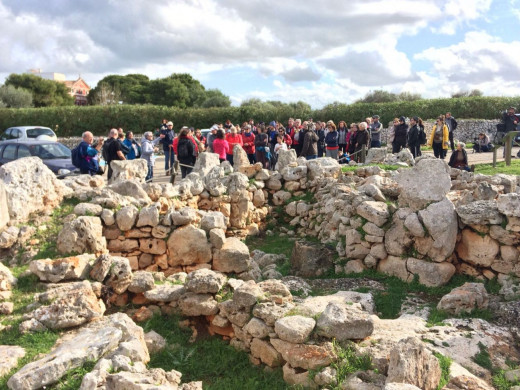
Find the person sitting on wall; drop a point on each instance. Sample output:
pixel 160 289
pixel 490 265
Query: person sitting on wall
pixel 482 143
pixel 459 158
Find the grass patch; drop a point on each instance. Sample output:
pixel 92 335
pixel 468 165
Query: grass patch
pixel 501 383
pixel 445 363
pixel 211 360
pixel 72 380
pixel 386 167
pixel 48 237
pixel 271 244
pixel 348 362
pixel 437 317
pixel 482 358
pixel 487 169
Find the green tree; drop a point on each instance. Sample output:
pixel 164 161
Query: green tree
pixel 131 88
pixel 473 92
pixel 196 91
pixel 378 96
pixel 408 96
pixel 168 92
pixel 12 97
pixel 45 93
pixel 215 98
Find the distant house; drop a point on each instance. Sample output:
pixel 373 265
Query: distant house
pixel 78 89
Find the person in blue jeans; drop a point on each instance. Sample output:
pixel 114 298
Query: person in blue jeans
pixel 167 143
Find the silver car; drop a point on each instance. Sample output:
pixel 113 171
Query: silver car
pixel 28 134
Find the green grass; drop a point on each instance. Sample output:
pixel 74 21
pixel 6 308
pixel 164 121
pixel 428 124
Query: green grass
pixel 48 237
pixel 501 383
pixel 487 169
pixel 72 380
pixel 445 363
pixel 437 317
pixel 348 361
pixel 210 360
pixel 386 167
pixel 273 244
pixel 482 358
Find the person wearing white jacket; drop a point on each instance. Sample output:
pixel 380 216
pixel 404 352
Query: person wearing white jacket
pixel 148 147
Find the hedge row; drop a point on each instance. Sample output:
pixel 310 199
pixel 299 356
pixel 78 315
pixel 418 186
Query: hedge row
pixel 72 121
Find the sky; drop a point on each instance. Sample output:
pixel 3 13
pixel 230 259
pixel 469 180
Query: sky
pixel 315 51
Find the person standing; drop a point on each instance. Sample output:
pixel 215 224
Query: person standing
pixel 148 148
pixel 439 138
pixel 263 154
pixel 249 144
pixel 233 138
pixel 310 142
pixel 185 152
pixel 413 137
pixel 167 143
pixel 452 125
pixel 331 141
pixel 375 131
pixel 134 149
pixel 510 119
pixel 220 145
pixel 87 152
pixel 321 139
pixel 342 136
pixel 362 138
pixel 112 150
pixel 400 133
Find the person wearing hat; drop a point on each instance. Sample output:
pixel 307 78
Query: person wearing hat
pixel 167 143
pixel 414 143
pixel 400 134
pixel 375 131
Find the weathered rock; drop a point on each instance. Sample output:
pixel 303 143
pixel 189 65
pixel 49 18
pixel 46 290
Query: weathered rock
pixel 9 356
pixel 257 328
pixel 101 267
pixel 290 173
pixel 148 216
pixel 155 378
pixel 154 342
pixel 477 250
pixel 125 218
pixel 82 235
pixel 217 238
pixel 67 268
pixel 120 275
pixel 395 266
pixel 88 209
pixel 79 306
pixel 4 210
pixel 205 281
pixel 6 308
pixel 141 281
pixel 270 312
pixel 480 212
pixel 187 246
pixel 7 280
pixel 310 259
pixel 297 378
pixel 30 187
pixel 308 357
pixel 205 163
pixel 442 231
pixel 266 353
pixel 247 294
pixel 88 345
pixel 128 170
pixel 232 257
pixel 430 274
pixel 465 298
pixel 193 305
pixel 213 220
pixel 108 217
pixel 285 158
pixel 375 212
pixel 323 167
pixel 411 362
pixel 9 237
pixel 376 155
pixel 344 322
pixel 417 186
pixel 294 329
pixel 31 326
pixel 165 293
pixel 509 204
pixel 414 226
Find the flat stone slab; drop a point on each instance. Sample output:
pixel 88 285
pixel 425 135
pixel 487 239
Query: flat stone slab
pixel 9 355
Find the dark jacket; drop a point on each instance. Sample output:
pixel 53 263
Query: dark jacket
pixel 509 121
pixel 453 159
pixel 401 132
pixel 167 141
pixel 361 138
pixel 186 151
pixel 352 142
pixel 332 139
pixel 310 143
pixel 452 124
pixel 413 136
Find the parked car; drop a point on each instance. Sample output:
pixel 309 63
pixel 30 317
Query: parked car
pixel 55 155
pixel 28 133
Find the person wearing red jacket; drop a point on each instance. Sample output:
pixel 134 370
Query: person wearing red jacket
pixel 233 138
pixel 248 139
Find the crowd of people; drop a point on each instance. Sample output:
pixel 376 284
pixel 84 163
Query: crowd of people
pixel 262 142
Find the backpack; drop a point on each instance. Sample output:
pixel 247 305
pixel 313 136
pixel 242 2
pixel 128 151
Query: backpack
pixel 183 150
pixel 422 136
pixel 104 150
pixel 76 157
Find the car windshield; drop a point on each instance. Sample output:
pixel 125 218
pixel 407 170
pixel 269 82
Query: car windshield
pixel 50 151
pixel 36 132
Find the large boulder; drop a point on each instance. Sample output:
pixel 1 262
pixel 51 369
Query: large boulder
pixel 9 356
pixel 509 204
pixel 440 221
pixel 187 246
pixel 82 235
pixel 294 329
pixel 481 212
pixel 428 181
pixel 67 268
pixel 130 188
pixel 430 273
pixel 239 157
pixel 232 257
pixel 155 378
pixel 77 307
pixel 412 363
pixel 376 155
pixel 477 249
pixel 286 158
pixel 344 322
pixel 308 357
pixel 128 170
pixel 323 167
pixel 30 187
pixel 309 259
pixel 205 281
pixel 464 299
pixel 205 163
pixel 375 212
